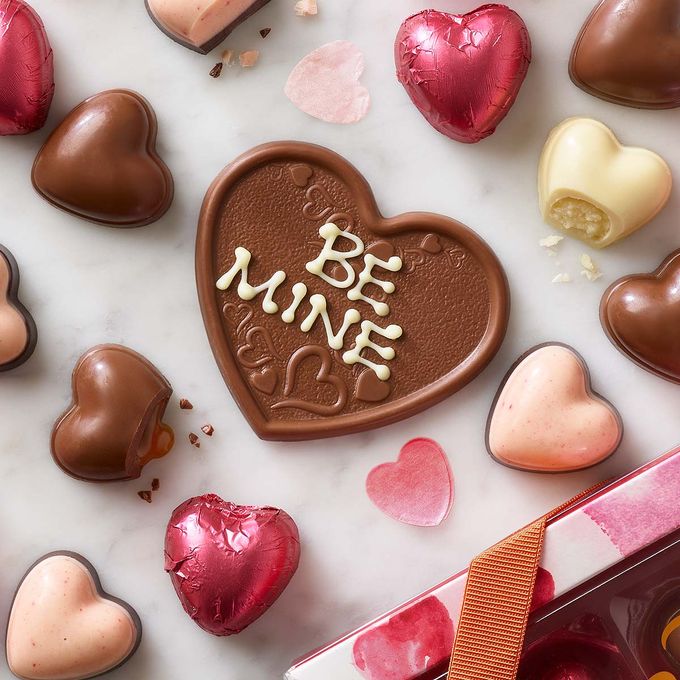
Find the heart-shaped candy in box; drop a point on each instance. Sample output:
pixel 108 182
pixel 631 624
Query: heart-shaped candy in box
pixel 327 318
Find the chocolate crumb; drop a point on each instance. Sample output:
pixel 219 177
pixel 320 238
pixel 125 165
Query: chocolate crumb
pixel 208 429
pixel 185 405
pixel 155 484
pixel 216 70
pixel 249 58
pixel 265 32
pixel 193 440
pixel 145 495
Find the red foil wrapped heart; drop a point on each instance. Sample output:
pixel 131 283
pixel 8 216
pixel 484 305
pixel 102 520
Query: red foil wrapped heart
pixel 229 563
pixel 463 72
pixel 26 71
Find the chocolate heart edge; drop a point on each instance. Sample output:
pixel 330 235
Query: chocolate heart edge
pixel 657 274
pixel 367 208
pixel 134 616
pixel 589 390
pixel 13 299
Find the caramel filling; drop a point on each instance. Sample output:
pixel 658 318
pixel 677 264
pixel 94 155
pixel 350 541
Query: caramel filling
pixel 574 214
pixel 158 437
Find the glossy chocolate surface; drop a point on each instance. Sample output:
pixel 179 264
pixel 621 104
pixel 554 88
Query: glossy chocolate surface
pixel 114 426
pixel 628 52
pixel 444 302
pixel 101 162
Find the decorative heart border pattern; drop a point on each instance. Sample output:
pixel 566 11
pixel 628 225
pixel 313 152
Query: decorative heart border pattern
pixel 277 153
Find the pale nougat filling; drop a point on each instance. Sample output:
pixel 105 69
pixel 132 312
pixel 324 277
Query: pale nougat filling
pixel 575 214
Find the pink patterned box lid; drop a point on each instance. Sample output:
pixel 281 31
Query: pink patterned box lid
pixel 623 517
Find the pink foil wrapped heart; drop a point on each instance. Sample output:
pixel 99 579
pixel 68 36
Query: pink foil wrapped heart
pixel 463 72
pixel 229 563
pixel 26 71
pixel 418 488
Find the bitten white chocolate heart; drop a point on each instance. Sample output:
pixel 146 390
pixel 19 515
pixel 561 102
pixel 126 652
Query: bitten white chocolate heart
pixel 546 418
pixel 62 626
pixel 595 189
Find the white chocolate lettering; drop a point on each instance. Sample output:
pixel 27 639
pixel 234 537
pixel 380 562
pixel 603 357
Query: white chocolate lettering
pixel 366 276
pixel 320 309
pixel 363 341
pixel 330 233
pixel 299 292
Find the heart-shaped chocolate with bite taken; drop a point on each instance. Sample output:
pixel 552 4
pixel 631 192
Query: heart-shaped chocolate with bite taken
pixel 101 162
pixel 114 426
pixel 63 625
pixel 18 333
pixel 335 290
pixel 628 52
pixel 641 316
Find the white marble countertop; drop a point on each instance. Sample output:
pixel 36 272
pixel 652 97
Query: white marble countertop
pixel 87 284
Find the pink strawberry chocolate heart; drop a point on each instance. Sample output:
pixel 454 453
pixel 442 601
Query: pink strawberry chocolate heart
pixel 546 418
pixel 418 488
pixel 229 563
pixel 463 72
pixel 26 71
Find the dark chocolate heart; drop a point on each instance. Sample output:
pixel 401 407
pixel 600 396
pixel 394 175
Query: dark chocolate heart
pixel 101 162
pixel 641 316
pixel 628 52
pixel 433 323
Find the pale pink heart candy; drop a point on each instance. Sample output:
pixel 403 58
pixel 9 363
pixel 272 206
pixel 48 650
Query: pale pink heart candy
pixel 325 84
pixel 546 418
pixel 418 488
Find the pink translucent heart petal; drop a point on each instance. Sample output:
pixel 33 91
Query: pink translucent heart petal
pixel 418 488
pixel 325 84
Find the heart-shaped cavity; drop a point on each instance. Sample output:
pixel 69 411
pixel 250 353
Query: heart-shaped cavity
pixel 26 69
pixel 63 626
pixel 593 188
pixel 229 563
pixel 628 52
pixel 114 426
pixel 463 71
pixel 641 316
pixel 101 162
pixel 325 84
pixel 418 488
pixel 18 333
pixel 546 417
pixel 200 25
pixel 427 330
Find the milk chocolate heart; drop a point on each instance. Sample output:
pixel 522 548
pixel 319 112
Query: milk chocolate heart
pixel 628 52
pixel 63 626
pixel 26 70
pixel 229 563
pixel 200 25
pixel 114 426
pixel 18 333
pixel 641 316
pixel 101 162
pixel 463 71
pixel 546 417
pixel 425 321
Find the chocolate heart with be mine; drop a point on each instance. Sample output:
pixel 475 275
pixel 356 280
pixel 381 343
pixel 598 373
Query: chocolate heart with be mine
pixel 358 320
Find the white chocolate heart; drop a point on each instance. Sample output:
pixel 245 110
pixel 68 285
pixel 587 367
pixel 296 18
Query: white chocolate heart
pixel 595 189
pixel 547 419
pixel 62 628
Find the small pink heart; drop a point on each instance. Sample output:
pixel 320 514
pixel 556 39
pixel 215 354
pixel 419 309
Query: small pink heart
pixel 418 488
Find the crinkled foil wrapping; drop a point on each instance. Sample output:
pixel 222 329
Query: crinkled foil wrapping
pixel 26 70
pixel 463 73
pixel 229 563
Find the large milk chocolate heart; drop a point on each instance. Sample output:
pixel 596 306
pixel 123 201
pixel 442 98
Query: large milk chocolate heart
pixel 101 162
pixel 26 71
pixel 463 71
pixel 546 417
pixel 63 625
pixel 641 316
pixel 628 52
pixel 229 563
pixel 417 302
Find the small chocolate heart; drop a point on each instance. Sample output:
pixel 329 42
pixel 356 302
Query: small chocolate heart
pixel 63 625
pixel 641 316
pixel 370 388
pixel 265 381
pixel 101 162
pixel 301 174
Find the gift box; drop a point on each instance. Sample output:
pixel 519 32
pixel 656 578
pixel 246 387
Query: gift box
pixel 606 602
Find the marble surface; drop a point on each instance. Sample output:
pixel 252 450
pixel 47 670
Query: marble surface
pixel 86 284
